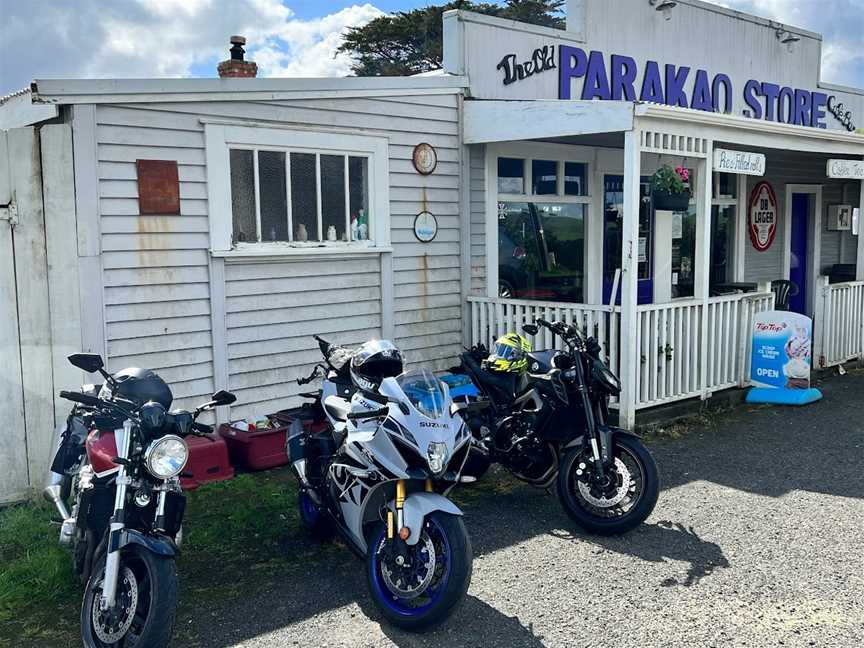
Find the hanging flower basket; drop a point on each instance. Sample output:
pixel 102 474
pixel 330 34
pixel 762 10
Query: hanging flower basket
pixel 670 188
pixel 671 202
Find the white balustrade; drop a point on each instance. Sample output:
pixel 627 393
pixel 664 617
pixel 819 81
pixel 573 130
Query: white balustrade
pixel 840 322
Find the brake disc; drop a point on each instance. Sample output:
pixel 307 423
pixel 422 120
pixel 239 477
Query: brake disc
pixel 401 583
pixel 620 492
pixel 112 625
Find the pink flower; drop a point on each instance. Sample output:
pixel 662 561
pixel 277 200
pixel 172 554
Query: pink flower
pixel 683 173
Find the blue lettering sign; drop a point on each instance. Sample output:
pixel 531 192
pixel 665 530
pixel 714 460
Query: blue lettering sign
pixel 574 63
pixel 764 100
pixel 596 83
pixel 702 99
pixel 623 77
pixel 652 84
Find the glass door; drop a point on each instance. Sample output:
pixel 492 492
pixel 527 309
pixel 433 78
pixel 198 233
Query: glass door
pixel 613 212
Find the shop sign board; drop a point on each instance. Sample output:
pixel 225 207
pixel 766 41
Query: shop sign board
pixel 739 162
pixel 782 350
pixel 782 355
pixel 846 169
pixel 763 216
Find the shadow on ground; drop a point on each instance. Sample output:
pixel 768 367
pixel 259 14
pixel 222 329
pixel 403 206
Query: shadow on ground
pixel 765 451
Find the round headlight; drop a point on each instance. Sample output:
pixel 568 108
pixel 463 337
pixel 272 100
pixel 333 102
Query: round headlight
pixel 166 457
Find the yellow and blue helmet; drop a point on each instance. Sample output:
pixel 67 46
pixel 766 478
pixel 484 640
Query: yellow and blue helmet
pixel 510 354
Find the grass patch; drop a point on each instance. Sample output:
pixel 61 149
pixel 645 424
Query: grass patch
pixel 34 569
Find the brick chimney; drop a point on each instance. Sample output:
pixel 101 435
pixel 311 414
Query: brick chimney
pixel 236 67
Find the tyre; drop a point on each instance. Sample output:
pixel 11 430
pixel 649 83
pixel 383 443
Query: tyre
pixel 316 520
pixel 621 502
pixel 415 596
pixel 147 581
pixel 476 465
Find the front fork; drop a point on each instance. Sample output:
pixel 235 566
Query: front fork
pixel 397 525
pixel 112 560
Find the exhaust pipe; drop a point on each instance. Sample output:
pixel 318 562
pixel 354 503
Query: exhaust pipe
pixel 67 529
pixel 52 494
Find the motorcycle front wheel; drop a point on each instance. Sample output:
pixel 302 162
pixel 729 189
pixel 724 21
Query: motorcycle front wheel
pixel 618 502
pixel 146 603
pixel 426 588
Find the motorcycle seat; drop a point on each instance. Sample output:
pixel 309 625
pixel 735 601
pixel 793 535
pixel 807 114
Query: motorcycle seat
pixel 337 408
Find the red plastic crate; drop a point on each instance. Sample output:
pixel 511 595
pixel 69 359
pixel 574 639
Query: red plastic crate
pixel 265 448
pixel 208 461
pixel 256 450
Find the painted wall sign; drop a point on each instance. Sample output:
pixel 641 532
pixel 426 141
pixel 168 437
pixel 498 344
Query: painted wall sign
pixel 425 158
pixel 740 162
pixel 541 60
pixel 158 187
pixel 615 79
pixel 425 227
pixel 763 216
pixel 846 169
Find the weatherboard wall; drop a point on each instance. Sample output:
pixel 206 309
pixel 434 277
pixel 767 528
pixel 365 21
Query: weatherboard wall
pixel 157 269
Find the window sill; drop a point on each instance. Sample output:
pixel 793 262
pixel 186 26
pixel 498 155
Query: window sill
pixel 264 252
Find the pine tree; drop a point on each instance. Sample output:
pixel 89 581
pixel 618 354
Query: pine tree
pixel 409 42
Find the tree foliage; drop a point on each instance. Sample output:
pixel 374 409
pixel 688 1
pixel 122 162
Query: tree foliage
pixel 409 42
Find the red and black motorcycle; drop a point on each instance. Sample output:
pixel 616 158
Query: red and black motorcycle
pixel 118 460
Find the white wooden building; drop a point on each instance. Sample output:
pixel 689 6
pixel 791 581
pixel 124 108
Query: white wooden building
pixel 226 290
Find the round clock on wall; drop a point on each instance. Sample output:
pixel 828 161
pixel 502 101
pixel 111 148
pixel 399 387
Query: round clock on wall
pixel 425 158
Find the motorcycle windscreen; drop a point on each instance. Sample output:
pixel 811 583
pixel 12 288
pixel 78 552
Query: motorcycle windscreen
pixel 425 392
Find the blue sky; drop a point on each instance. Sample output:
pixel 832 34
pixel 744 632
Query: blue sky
pixel 170 38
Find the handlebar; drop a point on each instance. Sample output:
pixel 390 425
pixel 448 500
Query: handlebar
pixel 83 399
pixel 202 428
pixel 355 416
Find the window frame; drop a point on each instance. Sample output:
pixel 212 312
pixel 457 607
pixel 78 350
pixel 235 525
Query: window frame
pixel 221 137
pixel 529 151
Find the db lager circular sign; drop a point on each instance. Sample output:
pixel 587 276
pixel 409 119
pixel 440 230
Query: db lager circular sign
pixel 763 216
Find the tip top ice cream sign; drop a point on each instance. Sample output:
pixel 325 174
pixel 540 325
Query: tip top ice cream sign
pixel 673 85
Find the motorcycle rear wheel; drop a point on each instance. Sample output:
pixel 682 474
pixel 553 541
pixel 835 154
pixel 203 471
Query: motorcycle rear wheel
pixel 152 623
pixel 316 520
pixel 446 587
pixel 597 517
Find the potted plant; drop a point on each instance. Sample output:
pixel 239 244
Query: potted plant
pixel 670 189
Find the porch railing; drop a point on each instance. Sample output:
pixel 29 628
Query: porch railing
pixel 491 318
pixel 685 349
pixel 840 322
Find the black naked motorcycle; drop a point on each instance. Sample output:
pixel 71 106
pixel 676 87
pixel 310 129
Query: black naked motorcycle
pixel 549 423
pixel 117 461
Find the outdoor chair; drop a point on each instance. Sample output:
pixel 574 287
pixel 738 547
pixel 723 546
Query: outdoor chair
pixel 783 290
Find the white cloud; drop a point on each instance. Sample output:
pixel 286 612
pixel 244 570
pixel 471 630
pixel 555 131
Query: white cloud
pixel 147 38
pixel 841 22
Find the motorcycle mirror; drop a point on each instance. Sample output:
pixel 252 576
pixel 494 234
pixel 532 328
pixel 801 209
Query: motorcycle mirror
pixel 530 329
pixel 223 397
pixel 89 362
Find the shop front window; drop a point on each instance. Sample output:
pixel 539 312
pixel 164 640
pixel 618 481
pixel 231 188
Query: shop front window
pixel 298 196
pixel 683 253
pixel 542 209
pixel 541 250
pixel 613 218
pixel 724 207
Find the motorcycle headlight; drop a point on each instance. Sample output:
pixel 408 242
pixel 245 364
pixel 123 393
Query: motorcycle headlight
pixel 166 457
pixel 436 455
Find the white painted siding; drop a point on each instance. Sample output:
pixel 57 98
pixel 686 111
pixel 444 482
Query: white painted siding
pixel 801 168
pixel 478 220
pixel 156 269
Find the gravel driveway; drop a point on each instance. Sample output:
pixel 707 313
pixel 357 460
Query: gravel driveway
pixel 756 541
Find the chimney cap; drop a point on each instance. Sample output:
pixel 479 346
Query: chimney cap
pixel 238 40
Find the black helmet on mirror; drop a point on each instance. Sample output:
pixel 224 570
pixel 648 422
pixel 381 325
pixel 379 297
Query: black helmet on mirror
pixel 373 362
pixel 140 386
